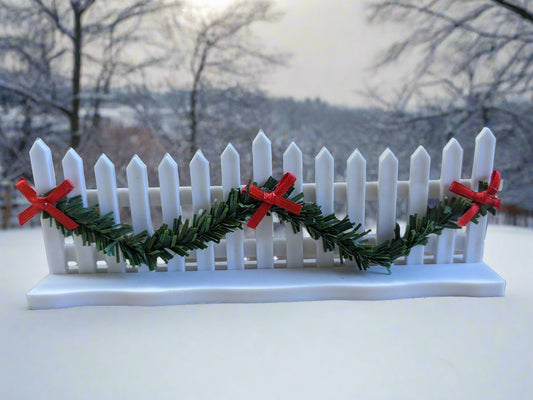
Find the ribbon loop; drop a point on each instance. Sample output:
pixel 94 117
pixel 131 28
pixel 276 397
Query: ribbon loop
pixel 486 197
pixel 272 198
pixel 39 204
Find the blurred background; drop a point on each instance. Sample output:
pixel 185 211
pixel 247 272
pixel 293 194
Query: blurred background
pixel 156 76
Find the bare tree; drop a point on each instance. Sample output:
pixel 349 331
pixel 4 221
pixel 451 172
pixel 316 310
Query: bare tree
pixel 23 110
pixel 480 48
pixel 60 54
pixel 221 57
pixel 473 67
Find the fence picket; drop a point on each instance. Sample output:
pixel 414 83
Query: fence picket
pixel 137 177
pixel 356 191
pixel 452 161
pixel 106 185
pixel 44 178
pixel 170 201
pixel 481 171
pixel 387 194
pixel 201 200
pixel 73 171
pixel 324 176
pixel 356 188
pixel 262 169
pixel 292 162
pixel 418 195
pixel 231 178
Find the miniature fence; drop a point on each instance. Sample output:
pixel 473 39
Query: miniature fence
pixel 265 251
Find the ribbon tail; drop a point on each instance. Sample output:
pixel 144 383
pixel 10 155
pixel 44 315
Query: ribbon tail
pixel 465 219
pixel 285 183
pixel 24 187
pixel 288 205
pixel 28 214
pixel 495 180
pixel 462 190
pixel 258 215
pixel 60 191
pixel 62 218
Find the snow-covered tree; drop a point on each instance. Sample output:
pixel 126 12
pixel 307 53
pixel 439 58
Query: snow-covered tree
pixel 64 55
pixel 221 60
pixel 472 66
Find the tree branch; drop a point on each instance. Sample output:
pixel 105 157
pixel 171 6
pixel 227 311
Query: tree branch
pixel 53 15
pixel 33 96
pixel 520 11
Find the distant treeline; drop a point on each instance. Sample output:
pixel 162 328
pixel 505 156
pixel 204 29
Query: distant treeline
pixel 151 124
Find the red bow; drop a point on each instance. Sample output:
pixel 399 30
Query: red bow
pixel 45 203
pixel 273 198
pixel 479 198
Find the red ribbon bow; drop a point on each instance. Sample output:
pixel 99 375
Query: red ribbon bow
pixel 273 198
pixel 39 204
pixel 479 198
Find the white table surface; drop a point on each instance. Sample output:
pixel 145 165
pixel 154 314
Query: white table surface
pixel 433 348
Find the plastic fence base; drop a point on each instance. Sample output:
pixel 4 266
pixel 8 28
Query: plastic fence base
pixel 265 285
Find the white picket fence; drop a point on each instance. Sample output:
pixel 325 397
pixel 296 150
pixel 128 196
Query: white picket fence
pixel 264 251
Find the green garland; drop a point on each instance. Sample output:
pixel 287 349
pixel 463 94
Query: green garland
pixel 228 216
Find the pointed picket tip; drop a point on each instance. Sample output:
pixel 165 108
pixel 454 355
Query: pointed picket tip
pixel 72 158
pixel 324 154
pixel 199 158
pixel 452 146
pixel 261 139
pixel 167 163
pixel 388 156
pixel 73 171
pixel 292 151
pixel 229 153
pixel 40 143
pixel 104 163
pixel 485 135
pixel 483 155
pixel 230 169
pixel 42 166
pixel 420 154
pixel 452 164
pixel 356 158
pixel 135 163
pixel 419 171
pixel 40 148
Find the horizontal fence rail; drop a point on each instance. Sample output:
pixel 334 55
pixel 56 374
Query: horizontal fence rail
pixel 271 244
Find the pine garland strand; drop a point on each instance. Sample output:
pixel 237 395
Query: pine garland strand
pixel 228 216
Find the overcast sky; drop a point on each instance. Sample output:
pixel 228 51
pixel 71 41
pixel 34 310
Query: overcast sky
pixel 333 49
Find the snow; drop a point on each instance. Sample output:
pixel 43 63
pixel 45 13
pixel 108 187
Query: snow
pixel 453 347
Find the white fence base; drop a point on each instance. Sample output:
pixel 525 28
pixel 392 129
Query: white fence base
pixel 265 285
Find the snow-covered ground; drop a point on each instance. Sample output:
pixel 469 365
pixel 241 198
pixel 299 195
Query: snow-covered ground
pixel 438 348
